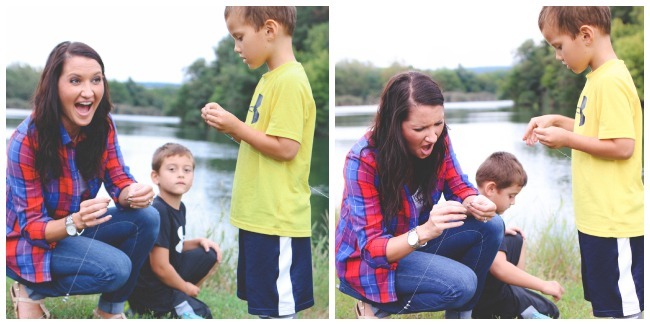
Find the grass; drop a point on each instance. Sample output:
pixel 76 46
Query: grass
pixel 552 254
pixel 218 292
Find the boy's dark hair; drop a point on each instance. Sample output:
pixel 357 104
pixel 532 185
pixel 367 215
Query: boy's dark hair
pixel 256 16
pixel 168 150
pixel 569 19
pixel 502 168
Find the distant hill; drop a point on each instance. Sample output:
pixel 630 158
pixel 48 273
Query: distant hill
pixel 152 85
pixel 479 70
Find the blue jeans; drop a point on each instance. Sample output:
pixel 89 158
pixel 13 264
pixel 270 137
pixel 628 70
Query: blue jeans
pixel 448 273
pixel 105 259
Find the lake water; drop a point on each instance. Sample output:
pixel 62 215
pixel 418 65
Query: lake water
pixel 208 201
pixel 476 131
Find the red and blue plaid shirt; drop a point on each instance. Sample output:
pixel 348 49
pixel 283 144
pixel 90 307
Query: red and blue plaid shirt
pixel 361 236
pixel 31 204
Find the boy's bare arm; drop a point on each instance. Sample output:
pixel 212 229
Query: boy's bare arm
pixel 278 148
pixel 204 243
pixel 554 137
pixel 159 260
pixel 556 131
pixel 620 148
pixel 511 274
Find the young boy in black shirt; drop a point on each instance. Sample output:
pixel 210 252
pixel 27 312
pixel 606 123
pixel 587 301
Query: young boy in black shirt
pixel 170 280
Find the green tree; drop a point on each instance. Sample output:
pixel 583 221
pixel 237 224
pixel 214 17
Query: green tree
pixel 316 58
pixel 119 92
pixel 231 83
pixel 448 79
pixel 193 94
pixel 234 81
pixel 360 80
pixel 21 81
pixel 540 83
pixel 128 97
pixel 627 39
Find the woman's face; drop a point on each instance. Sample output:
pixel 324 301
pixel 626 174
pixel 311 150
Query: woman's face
pixel 422 127
pixel 81 88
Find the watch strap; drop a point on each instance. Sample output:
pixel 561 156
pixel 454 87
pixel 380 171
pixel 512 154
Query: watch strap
pixel 70 221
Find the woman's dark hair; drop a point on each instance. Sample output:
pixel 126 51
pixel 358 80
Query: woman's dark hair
pixel 48 111
pixel 395 165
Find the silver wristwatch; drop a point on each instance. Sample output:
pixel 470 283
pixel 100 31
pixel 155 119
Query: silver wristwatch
pixel 70 228
pixel 413 239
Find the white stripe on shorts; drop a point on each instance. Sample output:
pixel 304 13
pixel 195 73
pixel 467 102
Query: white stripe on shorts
pixel 626 286
pixel 286 303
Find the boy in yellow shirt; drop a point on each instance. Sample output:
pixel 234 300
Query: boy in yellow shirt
pixel 270 197
pixel 606 142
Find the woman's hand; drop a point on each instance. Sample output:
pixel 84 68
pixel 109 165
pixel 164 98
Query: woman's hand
pixel 480 207
pixel 445 215
pixel 138 195
pixel 90 212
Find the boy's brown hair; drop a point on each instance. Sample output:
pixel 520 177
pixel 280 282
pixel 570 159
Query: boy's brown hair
pixel 502 168
pixel 569 19
pixel 168 150
pixel 256 16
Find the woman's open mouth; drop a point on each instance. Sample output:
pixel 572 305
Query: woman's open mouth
pixel 83 108
pixel 426 150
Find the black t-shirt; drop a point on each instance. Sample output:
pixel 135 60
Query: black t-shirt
pixel 493 286
pixel 149 290
pixel 495 292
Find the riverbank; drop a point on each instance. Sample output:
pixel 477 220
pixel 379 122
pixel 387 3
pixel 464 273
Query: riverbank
pixel 18 113
pixel 474 105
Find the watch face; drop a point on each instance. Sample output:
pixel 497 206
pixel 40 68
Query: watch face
pixel 412 238
pixel 69 226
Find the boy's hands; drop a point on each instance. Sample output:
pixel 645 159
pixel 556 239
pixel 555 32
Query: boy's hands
pixel 217 117
pixel 552 137
pixel 207 244
pixel 551 130
pixel 536 122
pixel 553 288
pixel 191 289
pixel 514 230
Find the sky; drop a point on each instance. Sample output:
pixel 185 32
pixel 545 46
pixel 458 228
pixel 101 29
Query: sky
pixel 438 34
pixel 136 39
pixel 426 36
pixel 154 41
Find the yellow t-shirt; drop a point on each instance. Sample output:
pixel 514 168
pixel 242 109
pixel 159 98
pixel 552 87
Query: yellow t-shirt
pixel 269 196
pixel 607 193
